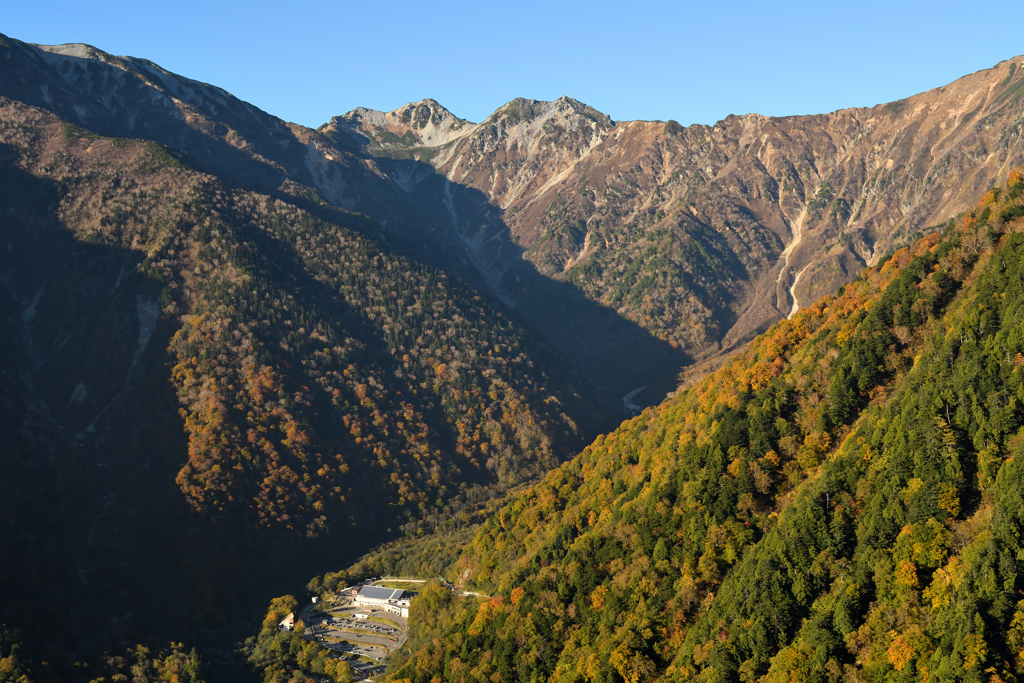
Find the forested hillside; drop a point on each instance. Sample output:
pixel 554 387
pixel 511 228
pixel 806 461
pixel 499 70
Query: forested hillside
pixel 130 97
pixel 306 358
pixel 196 370
pixel 633 247
pixel 843 501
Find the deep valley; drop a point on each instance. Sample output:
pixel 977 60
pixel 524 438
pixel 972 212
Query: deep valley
pixel 719 402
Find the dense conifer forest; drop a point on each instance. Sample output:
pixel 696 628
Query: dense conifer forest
pixel 842 501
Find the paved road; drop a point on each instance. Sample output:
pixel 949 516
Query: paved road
pixel 363 638
pixel 367 637
pixel 375 653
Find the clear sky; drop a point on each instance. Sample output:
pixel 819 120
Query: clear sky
pixel 307 60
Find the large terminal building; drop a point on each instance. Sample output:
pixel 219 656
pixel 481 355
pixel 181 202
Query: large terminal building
pixel 393 600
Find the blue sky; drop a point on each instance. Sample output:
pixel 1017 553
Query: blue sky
pixel 308 60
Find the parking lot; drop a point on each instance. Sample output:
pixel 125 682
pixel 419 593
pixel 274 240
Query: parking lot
pixel 374 637
pixel 365 642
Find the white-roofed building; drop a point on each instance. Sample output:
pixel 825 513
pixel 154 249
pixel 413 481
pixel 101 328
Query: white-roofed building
pixel 392 600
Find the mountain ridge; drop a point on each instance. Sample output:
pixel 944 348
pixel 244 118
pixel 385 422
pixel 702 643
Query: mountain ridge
pixel 258 152
pixel 699 236
pixel 858 177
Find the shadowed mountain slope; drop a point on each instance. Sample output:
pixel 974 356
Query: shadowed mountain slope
pixel 633 247
pixel 198 371
pixel 248 148
pixel 212 356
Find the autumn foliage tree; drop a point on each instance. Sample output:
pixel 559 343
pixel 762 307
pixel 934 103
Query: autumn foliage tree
pixel 841 501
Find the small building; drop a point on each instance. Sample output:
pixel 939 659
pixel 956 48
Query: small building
pixel 400 607
pixel 361 614
pixel 288 623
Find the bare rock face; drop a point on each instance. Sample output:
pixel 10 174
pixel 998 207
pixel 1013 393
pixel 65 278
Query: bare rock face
pixel 245 146
pixel 419 124
pixel 705 235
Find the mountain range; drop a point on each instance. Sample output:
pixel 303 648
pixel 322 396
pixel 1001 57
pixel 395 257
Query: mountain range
pixel 230 337
pixel 692 237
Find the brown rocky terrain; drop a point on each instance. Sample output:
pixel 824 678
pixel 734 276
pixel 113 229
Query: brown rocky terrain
pixel 705 235
pixel 380 175
pixel 634 247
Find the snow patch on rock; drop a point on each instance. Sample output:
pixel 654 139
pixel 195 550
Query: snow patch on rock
pixel 30 312
pixel 627 401
pixel 79 394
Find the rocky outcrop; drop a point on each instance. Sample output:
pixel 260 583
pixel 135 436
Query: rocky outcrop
pixel 418 124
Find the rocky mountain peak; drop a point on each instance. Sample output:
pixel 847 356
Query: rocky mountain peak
pixel 418 124
pixel 564 110
pixel 421 114
pixel 79 50
pixel 120 89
